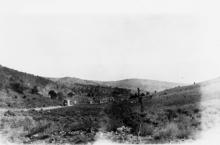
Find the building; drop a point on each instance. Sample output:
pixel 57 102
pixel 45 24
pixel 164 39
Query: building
pixel 67 102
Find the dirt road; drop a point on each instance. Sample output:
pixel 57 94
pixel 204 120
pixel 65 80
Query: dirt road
pixel 27 109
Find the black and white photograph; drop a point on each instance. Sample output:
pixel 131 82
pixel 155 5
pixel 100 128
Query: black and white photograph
pixel 96 72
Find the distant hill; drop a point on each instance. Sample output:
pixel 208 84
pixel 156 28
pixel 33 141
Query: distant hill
pixel 133 84
pixel 143 84
pixel 70 81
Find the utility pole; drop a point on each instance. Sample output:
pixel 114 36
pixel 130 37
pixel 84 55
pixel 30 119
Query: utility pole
pixel 140 100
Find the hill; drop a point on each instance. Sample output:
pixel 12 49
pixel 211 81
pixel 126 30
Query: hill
pixel 132 84
pixel 196 93
pixel 174 114
pixel 22 90
pixel 71 81
pixel 143 84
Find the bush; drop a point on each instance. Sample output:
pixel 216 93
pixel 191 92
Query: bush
pixel 172 131
pixel 34 90
pixel 60 96
pixel 39 127
pixel 9 113
pixel 53 94
pixel 17 87
pixel 123 133
pixel 146 129
pixel 70 94
pixel 112 124
pixel 121 114
pixel 119 110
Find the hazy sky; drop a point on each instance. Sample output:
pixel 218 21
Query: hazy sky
pixel 96 40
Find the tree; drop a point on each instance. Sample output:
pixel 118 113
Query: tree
pixel 70 94
pixel 17 87
pixel 140 100
pixel 34 90
pixel 53 94
pixel 147 93
pixel 60 96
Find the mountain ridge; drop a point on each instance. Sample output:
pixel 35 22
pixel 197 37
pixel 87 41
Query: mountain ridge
pixel 130 83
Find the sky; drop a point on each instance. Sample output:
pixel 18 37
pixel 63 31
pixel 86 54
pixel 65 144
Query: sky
pixel 98 40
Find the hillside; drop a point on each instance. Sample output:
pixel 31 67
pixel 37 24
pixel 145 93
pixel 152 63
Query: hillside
pixel 19 89
pixel 22 90
pixel 71 81
pixel 132 84
pixel 174 114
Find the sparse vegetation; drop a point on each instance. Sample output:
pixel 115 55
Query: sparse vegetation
pixel 17 87
pixel 34 90
pixel 70 94
pixel 53 94
pixel 165 116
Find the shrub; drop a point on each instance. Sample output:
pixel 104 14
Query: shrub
pixel 60 96
pixel 9 113
pixel 146 129
pixel 196 110
pixel 172 131
pixel 70 94
pixel 120 113
pixel 53 94
pixel 112 124
pixel 39 127
pixel 34 90
pixel 17 87
pixel 171 114
pixel 123 133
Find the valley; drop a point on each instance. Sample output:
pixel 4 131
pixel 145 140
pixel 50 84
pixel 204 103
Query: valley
pixel 173 114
